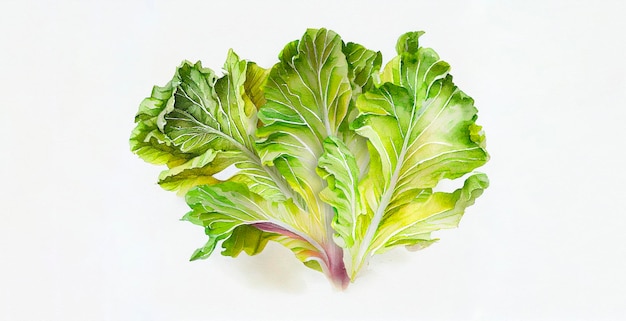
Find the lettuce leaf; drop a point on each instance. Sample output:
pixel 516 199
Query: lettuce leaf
pixel 421 129
pixel 222 208
pixel 332 158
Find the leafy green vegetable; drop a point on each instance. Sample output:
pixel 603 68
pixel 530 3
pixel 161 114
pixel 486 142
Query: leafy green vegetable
pixel 333 158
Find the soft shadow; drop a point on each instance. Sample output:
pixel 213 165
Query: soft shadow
pixel 274 269
pixel 388 262
pixel 396 256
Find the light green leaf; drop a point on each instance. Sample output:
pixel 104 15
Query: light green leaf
pixel 339 168
pixel 307 95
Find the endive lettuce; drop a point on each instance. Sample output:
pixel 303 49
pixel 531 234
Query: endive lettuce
pixel 335 159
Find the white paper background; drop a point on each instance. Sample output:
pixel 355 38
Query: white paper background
pixel 86 234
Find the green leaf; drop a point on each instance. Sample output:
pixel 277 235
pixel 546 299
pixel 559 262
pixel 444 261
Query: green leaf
pixel 363 72
pixel 421 129
pixel 255 81
pixel 364 66
pixel 223 208
pixel 196 171
pixel 215 119
pixel 248 239
pixel 146 140
pixel 308 96
pixel 205 251
pixel 412 223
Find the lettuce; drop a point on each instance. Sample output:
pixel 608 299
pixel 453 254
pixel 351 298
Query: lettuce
pixel 335 159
